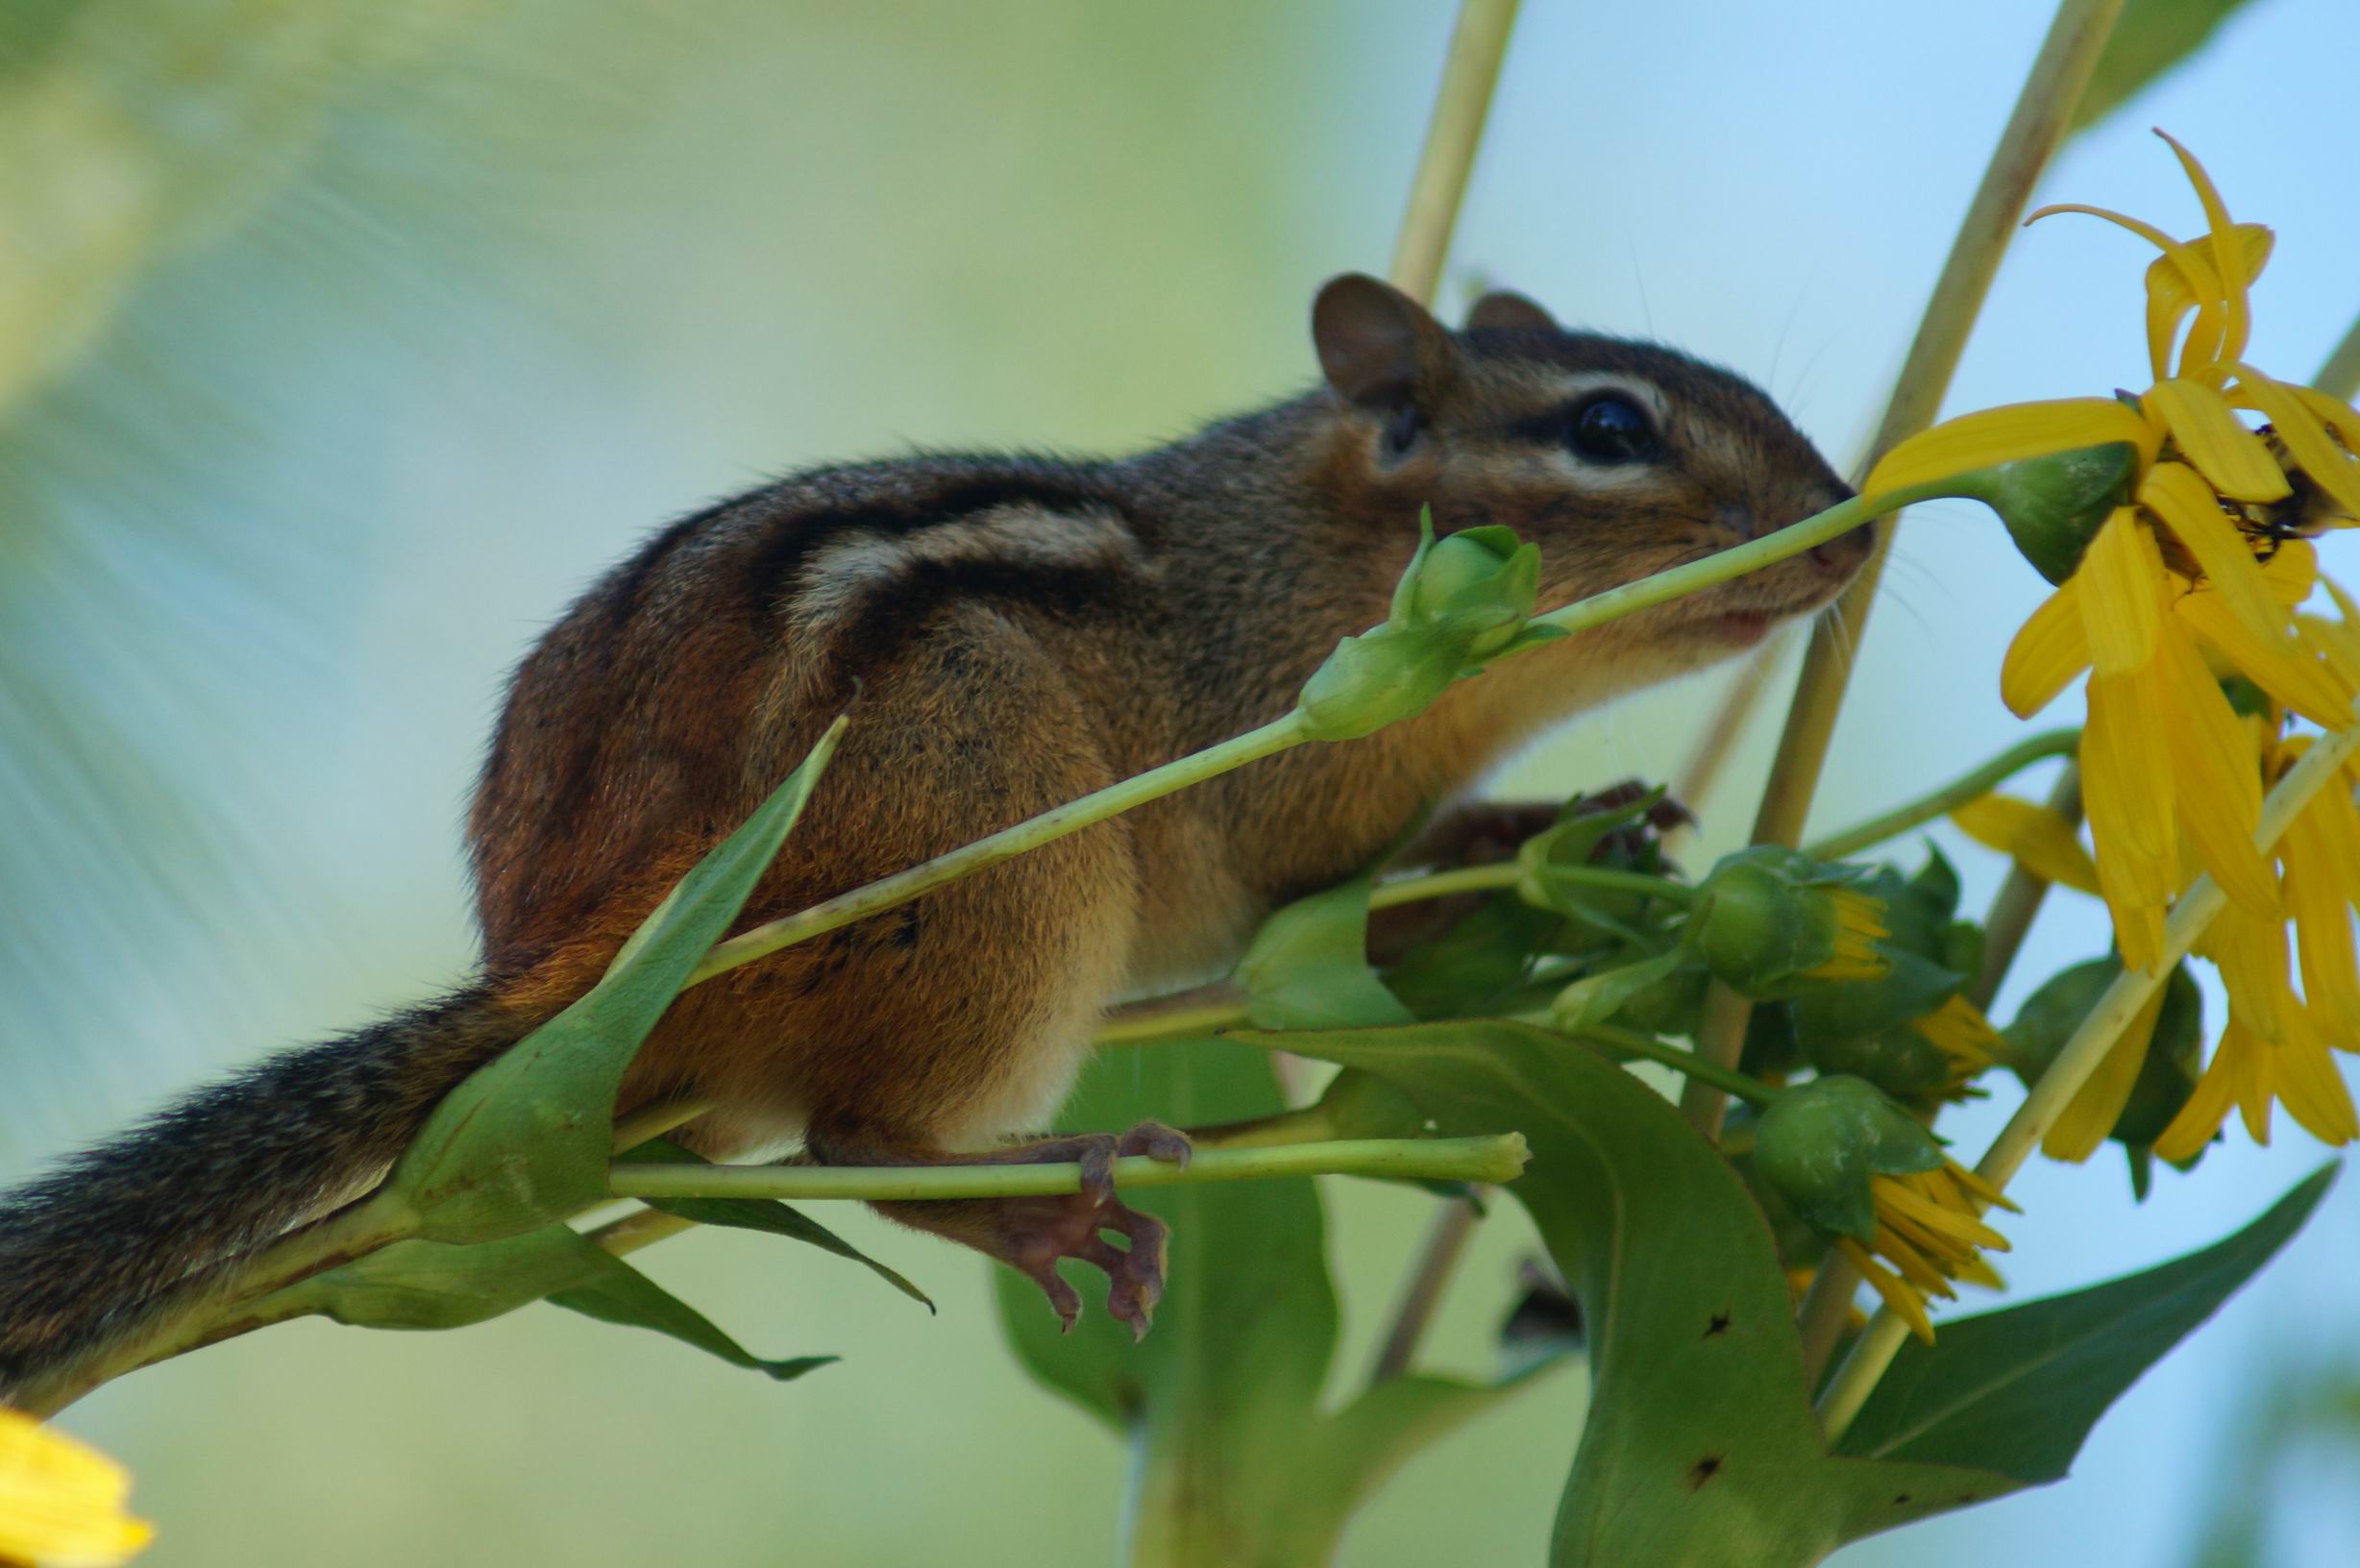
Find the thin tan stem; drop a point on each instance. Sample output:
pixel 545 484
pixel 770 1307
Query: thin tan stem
pixel 1422 1290
pixel 2042 114
pixel 1477 45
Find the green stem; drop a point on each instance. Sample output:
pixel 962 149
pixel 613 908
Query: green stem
pixel 1608 877
pixel 1495 1159
pixel 1410 890
pixel 901 887
pixel 1941 801
pixel 1170 1023
pixel 2085 1052
pixel 2340 376
pixel 1616 1040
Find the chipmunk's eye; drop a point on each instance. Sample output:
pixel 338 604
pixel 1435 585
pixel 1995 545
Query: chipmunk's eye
pixel 1612 428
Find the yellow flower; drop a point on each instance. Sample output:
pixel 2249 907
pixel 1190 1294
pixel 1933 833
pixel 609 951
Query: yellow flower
pixel 60 1502
pixel 2195 575
pixel 1930 1229
pixel 1961 1032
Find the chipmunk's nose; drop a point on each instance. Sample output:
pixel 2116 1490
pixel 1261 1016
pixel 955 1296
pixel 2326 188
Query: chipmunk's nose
pixel 1845 553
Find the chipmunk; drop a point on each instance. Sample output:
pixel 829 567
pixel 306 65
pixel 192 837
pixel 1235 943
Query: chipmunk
pixel 1007 634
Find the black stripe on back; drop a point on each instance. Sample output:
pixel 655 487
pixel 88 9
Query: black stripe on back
pixel 922 590
pixel 793 539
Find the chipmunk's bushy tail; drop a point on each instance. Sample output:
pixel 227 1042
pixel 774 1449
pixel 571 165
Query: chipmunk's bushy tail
pixel 117 1232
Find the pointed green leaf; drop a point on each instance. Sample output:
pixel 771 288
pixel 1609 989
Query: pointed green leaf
pixel 525 1139
pixel 1700 1446
pixel 619 1293
pixel 763 1215
pixel 2017 1391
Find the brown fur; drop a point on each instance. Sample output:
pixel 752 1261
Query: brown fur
pixel 1009 633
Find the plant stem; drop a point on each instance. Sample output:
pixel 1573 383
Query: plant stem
pixel 1477 45
pixel 2019 901
pixel 1938 802
pixel 1495 1159
pixel 1410 890
pixel 1422 1290
pixel 1128 1028
pixel 1007 844
pixel 2042 114
pixel 2086 1050
pixel 1616 1040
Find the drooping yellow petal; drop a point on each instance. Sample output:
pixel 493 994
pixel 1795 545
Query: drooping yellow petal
pixel 2126 785
pixel 2198 1121
pixel 2004 435
pixel 2313 1093
pixel 2337 415
pixel 2048 653
pixel 2332 469
pixel 2217 778
pixel 2121 579
pixel 1906 1304
pixel 2250 1078
pixel 2197 274
pixel 2038 838
pixel 2319 905
pixel 2094 1110
pixel 2294 672
pixel 2232 458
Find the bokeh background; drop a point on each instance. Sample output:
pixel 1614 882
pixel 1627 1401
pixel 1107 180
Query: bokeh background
pixel 340 344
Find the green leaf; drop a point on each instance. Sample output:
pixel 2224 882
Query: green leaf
pixel 1308 967
pixel 526 1139
pixel 1233 1460
pixel 2148 39
pixel 1700 1446
pixel 2017 1391
pixel 619 1293
pixel 764 1214
pixel 437 1284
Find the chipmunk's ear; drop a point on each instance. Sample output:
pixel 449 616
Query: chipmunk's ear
pixel 1380 349
pixel 1506 311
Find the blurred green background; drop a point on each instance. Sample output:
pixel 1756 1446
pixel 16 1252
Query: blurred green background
pixel 341 343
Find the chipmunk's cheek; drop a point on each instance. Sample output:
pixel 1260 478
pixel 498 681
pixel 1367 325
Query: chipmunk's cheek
pixel 1738 628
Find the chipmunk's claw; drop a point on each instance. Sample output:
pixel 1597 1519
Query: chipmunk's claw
pixel 1038 1233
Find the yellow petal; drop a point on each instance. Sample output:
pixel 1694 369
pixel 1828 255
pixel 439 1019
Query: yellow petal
pixel 2292 572
pixel 2200 1120
pixel 2126 787
pixel 2313 1093
pixel 2235 461
pixel 2038 838
pixel 2320 908
pixel 2047 656
pixel 2226 253
pixel 2004 435
pixel 1906 1304
pixel 2250 1079
pixel 2169 296
pixel 2121 579
pixel 2217 778
pixel 2299 426
pixel 2173 492
pixel 2294 672
pixel 2098 1105
pixel 2334 412
pixel 61 1502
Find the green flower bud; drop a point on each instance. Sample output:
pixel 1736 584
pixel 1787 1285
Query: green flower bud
pixel 2166 1078
pixel 1900 1061
pixel 1477 586
pixel 1375 679
pixel 2053 505
pixel 1819 1144
pixel 1771 922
